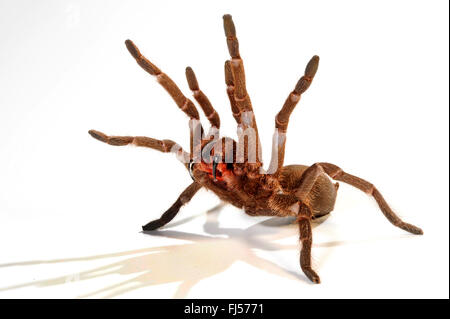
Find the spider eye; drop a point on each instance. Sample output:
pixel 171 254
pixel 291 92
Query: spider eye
pixel 191 167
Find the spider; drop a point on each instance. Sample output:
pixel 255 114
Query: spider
pixel 233 169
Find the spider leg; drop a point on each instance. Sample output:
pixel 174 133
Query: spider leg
pixel 236 87
pixel 184 198
pixel 283 205
pixel 185 104
pixel 304 225
pixel 164 146
pixel 282 118
pixel 311 174
pixel 202 99
pixel 229 81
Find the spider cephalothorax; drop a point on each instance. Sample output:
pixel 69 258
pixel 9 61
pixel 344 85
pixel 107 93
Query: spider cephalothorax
pixel 233 169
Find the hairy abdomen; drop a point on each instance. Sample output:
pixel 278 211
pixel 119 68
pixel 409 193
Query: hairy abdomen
pixel 323 194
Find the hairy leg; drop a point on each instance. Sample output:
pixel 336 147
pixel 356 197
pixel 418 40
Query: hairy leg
pixel 311 174
pixel 202 99
pixel 283 205
pixel 282 118
pixel 229 81
pixel 164 146
pixel 184 198
pixel 240 97
pixel 304 225
pixel 185 104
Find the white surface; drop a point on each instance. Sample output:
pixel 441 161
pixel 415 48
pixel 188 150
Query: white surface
pixel 71 208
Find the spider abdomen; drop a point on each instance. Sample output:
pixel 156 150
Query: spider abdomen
pixel 323 194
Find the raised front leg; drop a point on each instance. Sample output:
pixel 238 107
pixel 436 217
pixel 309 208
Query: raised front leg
pixel 202 99
pixel 282 118
pixel 165 146
pixel 184 198
pixel 239 98
pixel 185 104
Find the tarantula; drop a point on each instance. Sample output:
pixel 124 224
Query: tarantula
pixel 233 170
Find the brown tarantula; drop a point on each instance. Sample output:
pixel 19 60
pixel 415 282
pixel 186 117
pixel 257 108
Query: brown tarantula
pixel 233 170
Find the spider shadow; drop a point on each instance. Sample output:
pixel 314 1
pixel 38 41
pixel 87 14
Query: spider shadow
pixel 188 263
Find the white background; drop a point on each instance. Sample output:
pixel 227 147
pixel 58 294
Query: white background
pixel 71 208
